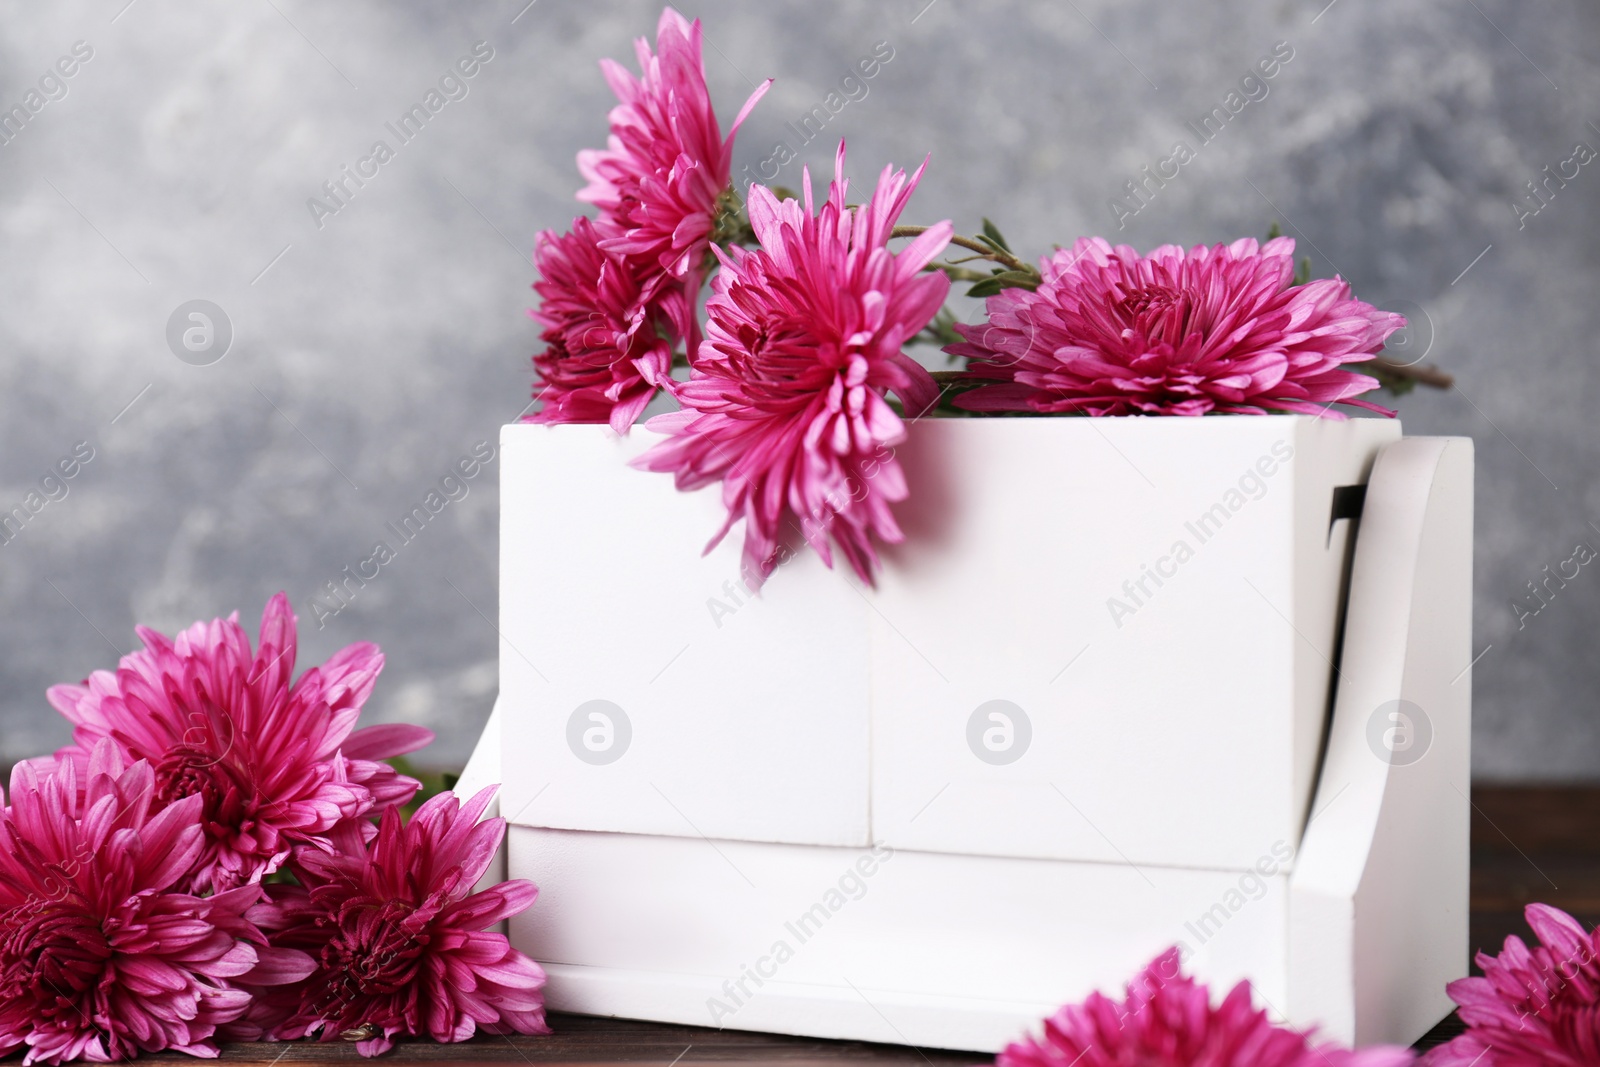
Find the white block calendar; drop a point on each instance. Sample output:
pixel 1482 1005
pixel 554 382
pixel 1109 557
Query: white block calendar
pixel 1086 712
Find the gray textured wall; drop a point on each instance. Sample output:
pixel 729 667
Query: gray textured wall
pixel 371 352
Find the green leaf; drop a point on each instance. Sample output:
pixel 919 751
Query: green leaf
pixel 1274 230
pixel 1019 279
pixel 992 233
pixel 1006 279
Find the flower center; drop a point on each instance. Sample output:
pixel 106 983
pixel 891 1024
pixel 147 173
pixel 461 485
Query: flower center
pixel 781 363
pixel 53 953
pixel 190 770
pixel 373 952
pixel 1157 311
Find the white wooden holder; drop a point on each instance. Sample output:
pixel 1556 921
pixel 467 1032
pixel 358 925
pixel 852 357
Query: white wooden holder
pixel 805 882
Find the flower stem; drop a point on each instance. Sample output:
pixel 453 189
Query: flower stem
pixel 1427 374
pixel 971 244
pixel 958 274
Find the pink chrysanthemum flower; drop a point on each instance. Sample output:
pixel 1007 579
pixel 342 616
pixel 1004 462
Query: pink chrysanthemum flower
pixel 658 180
pixel 1220 329
pixel 99 957
pixel 1537 1007
pixel 400 937
pixel 609 330
pixel 1168 1020
pixel 785 400
pixel 620 291
pixel 273 764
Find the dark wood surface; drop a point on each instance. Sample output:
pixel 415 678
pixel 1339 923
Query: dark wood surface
pixel 1528 844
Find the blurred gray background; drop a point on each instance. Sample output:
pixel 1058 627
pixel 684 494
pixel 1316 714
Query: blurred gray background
pixel 374 347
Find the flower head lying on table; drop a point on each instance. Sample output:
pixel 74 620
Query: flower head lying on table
pixel 221 854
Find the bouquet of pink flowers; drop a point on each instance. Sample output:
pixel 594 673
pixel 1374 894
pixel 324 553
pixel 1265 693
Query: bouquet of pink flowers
pixel 220 853
pixel 797 386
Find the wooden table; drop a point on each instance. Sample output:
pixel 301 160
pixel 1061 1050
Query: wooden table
pixel 1528 844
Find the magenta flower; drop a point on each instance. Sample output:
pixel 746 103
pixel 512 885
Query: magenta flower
pixel 1537 1007
pixel 1168 1020
pixel 100 957
pixel 1220 329
pixel 272 764
pixel 609 330
pixel 666 164
pixel 400 937
pixel 785 402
